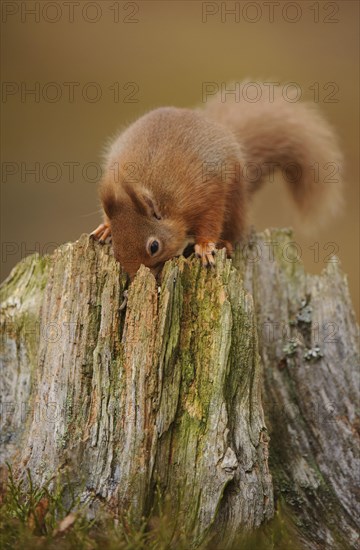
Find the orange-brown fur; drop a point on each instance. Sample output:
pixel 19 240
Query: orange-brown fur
pixel 176 175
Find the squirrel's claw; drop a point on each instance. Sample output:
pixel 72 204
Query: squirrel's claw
pixel 206 251
pixel 228 246
pixel 125 301
pixel 102 232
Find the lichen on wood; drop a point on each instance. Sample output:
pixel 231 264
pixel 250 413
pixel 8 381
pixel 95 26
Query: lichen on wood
pixel 164 400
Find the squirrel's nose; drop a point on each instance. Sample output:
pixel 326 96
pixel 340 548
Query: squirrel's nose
pixel 156 269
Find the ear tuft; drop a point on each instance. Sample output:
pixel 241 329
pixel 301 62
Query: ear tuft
pixel 143 202
pixel 108 198
pixel 154 210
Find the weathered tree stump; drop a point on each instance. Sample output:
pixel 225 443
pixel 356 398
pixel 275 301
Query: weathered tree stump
pixel 169 393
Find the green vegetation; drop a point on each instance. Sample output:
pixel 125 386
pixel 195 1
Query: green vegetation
pixel 34 517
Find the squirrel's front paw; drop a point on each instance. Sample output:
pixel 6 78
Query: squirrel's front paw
pixel 206 251
pixel 102 232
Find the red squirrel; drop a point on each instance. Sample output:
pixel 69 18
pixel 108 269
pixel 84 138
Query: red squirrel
pixel 178 176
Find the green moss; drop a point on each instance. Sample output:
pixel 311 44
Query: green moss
pixel 28 276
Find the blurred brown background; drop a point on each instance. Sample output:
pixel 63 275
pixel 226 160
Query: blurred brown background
pixel 95 66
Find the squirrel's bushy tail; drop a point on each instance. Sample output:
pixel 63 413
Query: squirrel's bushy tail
pixel 292 137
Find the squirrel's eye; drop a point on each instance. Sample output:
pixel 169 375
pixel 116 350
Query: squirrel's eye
pixel 154 247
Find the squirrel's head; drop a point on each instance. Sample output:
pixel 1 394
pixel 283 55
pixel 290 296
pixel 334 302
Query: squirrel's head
pixel 140 234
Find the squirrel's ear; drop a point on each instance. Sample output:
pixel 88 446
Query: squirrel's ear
pixel 143 202
pixel 152 206
pixel 109 201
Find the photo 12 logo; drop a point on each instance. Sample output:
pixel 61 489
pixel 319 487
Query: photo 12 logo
pixel 69 12
pixel 69 92
pixel 270 12
pixel 255 91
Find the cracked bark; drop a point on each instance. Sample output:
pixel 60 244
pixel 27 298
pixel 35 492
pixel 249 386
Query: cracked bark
pixel 169 393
